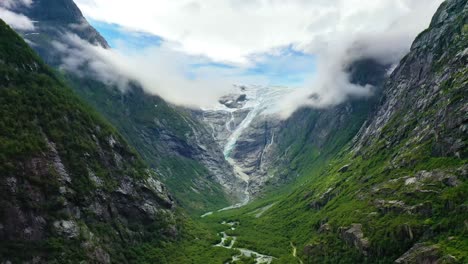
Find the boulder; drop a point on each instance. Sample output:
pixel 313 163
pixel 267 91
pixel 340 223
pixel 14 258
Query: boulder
pixel 325 228
pixel 323 199
pixel 424 254
pixel 345 168
pixel 67 228
pixel 354 236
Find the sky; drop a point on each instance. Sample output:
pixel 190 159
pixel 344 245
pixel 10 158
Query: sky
pixel 190 51
pixel 283 66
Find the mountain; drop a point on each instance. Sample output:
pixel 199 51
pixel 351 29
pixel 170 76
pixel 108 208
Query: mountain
pixel 375 180
pixel 71 189
pixel 396 191
pixel 269 152
pixel 169 138
pixel 273 151
pixel 52 19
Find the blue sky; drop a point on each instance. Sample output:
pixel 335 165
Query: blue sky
pixel 285 66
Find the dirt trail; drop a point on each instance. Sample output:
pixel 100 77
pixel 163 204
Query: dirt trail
pixel 294 253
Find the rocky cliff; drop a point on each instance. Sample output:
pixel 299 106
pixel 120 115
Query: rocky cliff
pixel 396 191
pixel 271 152
pixel 169 138
pixel 71 189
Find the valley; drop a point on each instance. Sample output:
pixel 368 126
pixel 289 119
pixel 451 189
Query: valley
pixel 94 173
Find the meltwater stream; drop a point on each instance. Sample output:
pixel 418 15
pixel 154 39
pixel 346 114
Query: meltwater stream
pixel 260 100
pixel 231 240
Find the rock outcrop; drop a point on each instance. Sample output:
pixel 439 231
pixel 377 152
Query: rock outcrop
pixel 425 254
pixel 170 139
pixel 354 236
pixel 71 189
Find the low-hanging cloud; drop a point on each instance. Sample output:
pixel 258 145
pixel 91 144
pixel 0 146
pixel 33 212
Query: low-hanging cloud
pixel 337 50
pixel 232 30
pixel 158 69
pixel 15 20
pixel 15 3
pixel 336 32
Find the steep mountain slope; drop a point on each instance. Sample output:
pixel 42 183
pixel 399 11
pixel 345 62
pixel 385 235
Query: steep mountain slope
pixel 269 152
pixel 273 151
pixel 71 189
pixel 397 192
pixel 170 139
pixel 52 19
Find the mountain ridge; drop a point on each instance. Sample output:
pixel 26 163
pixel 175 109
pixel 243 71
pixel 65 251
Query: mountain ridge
pixel 71 187
pixel 169 138
pixel 379 180
pixel 396 191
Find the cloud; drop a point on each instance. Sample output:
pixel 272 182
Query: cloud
pixel 238 32
pixel 230 31
pixel 337 50
pixel 15 20
pixel 158 69
pixel 15 3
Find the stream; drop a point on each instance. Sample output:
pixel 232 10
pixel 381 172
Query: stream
pixel 259 258
pixel 261 100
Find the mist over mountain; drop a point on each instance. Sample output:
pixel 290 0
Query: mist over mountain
pixel 233 131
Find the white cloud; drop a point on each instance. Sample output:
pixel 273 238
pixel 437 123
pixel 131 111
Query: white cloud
pixel 15 3
pixel 160 71
pixel 337 32
pixel 231 30
pixel 16 21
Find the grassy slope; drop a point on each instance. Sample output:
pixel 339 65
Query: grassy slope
pixel 373 175
pixel 139 120
pixel 33 105
pixel 133 114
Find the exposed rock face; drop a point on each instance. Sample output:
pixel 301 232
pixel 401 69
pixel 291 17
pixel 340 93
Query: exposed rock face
pixel 263 147
pixel 324 198
pixel 268 149
pixel 408 162
pixel 54 18
pixel 355 237
pixel 222 123
pixel 429 77
pixel 244 128
pixel 424 254
pixel 422 116
pixel 170 139
pixel 325 228
pixel 233 100
pixel 71 189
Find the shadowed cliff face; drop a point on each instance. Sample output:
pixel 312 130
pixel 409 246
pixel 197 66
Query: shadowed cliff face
pixel 71 189
pixel 394 188
pixel 270 151
pixel 423 99
pixel 55 17
pixel 168 138
pixel 59 11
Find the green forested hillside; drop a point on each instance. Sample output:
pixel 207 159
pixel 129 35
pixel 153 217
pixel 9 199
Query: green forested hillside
pixel 385 181
pixel 71 189
pixel 69 182
pixel 162 134
pixel 398 191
